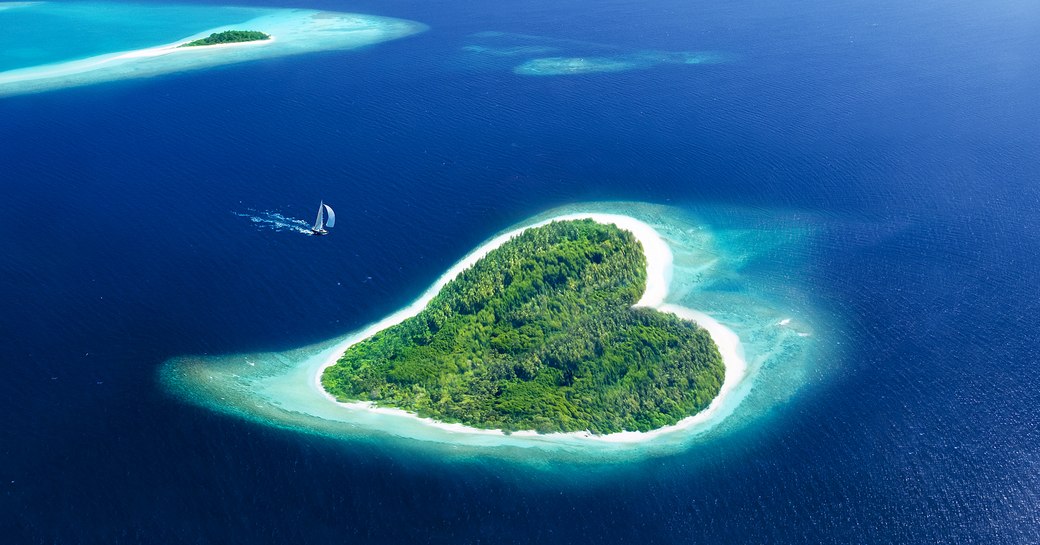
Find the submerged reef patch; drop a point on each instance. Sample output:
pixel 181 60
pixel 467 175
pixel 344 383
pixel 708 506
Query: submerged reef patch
pixel 546 56
pixel 557 66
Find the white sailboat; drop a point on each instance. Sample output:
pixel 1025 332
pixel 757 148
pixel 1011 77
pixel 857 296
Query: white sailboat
pixel 326 219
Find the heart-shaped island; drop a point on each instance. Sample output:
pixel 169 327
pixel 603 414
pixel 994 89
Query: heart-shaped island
pixel 540 334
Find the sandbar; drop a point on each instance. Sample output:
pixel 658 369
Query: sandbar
pixel 293 31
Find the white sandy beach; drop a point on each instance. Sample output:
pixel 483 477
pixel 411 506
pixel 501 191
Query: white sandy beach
pixel 176 48
pixel 100 62
pixel 659 270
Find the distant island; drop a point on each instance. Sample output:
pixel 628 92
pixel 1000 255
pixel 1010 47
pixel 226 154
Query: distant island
pixel 229 37
pixel 541 334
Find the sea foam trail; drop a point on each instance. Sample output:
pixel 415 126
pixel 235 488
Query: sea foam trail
pixel 274 221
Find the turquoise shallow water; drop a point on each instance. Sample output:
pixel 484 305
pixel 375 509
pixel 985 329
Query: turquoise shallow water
pixel 723 266
pixel 50 32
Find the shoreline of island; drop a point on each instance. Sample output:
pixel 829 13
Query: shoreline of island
pixel 80 66
pixel 179 46
pixel 659 268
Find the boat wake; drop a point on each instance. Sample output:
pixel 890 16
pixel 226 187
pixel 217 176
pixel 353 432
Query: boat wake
pixel 274 221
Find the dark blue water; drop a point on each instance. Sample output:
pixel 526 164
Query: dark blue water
pixel 910 132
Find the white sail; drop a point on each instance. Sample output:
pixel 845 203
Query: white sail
pixel 317 223
pixel 331 221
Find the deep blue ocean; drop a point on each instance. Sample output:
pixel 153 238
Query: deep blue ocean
pixel 909 132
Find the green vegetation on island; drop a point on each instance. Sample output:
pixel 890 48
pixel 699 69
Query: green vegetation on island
pixel 229 37
pixel 541 334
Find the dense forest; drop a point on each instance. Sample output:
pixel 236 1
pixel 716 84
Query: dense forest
pixel 229 37
pixel 541 334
